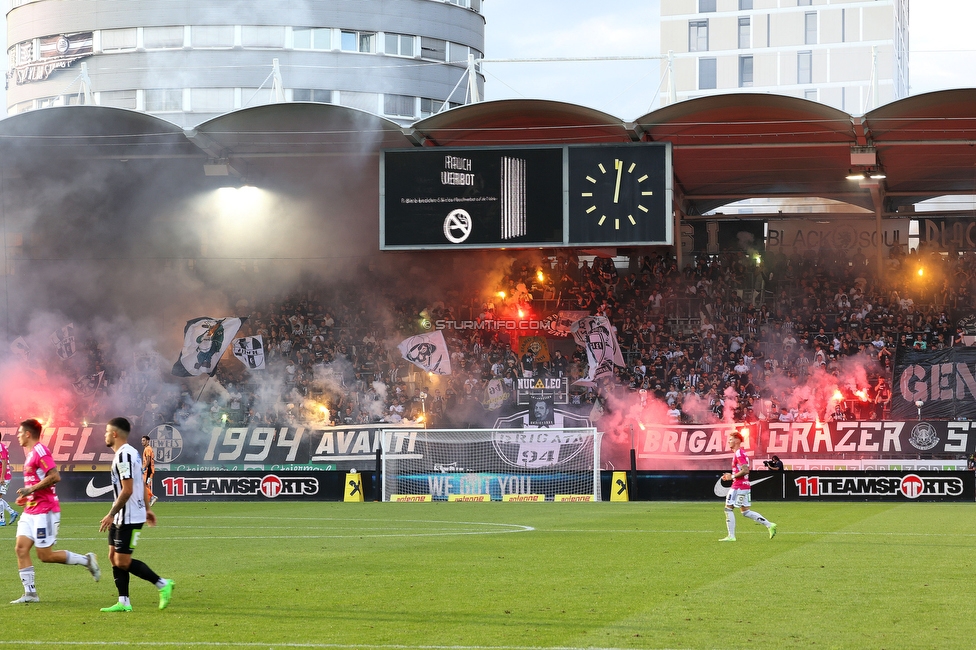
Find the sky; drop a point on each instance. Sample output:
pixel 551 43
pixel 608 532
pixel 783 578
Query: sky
pixel 942 53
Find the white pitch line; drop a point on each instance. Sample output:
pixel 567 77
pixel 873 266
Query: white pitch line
pixel 254 644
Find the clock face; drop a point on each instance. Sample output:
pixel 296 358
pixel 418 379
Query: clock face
pixel 617 194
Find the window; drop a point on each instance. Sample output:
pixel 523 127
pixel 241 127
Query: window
pixel 311 95
pixel 358 41
pixel 162 38
pixel 211 100
pixel 256 96
pixel 745 71
pixel 163 100
pixel 429 106
pixel 399 44
pixel 810 94
pixel 706 6
pixel 745 29
pixel 804 3
pixel 698 36
pixel 707 74
pixel 312 38
pixel 399 105
pixel 362 101
pixel 118 39
pixel 810 28
pixel 262 36
pixel 433 48
pixel 118 98
pixel 211 36
pixel 804 67
pixel 745 5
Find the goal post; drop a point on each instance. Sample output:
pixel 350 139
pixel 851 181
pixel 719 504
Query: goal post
pixel 495 462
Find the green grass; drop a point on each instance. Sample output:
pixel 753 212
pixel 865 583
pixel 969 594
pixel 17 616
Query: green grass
pixel 620 575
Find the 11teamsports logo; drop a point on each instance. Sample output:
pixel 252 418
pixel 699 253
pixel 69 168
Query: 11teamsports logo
pixel 910 486
pixel 268 486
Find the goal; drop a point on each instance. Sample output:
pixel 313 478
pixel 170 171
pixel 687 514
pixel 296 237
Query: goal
pixel 495 462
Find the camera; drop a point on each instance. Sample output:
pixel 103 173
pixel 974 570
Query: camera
pixel 766 463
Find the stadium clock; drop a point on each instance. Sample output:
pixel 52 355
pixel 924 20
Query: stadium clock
pixel 619 194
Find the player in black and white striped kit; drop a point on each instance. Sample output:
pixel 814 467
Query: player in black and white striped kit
pixel 126 518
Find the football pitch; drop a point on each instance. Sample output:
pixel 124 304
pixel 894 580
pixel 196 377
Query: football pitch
pixel 516 575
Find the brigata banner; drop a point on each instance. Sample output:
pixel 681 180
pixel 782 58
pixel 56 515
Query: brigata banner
pixel 935 384
pixel 706 446
pixel 881 486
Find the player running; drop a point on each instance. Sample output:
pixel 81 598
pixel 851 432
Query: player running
pixel 741 493
pixel 5 477
pixel 42 513
pixel 126 518
pixel 148 469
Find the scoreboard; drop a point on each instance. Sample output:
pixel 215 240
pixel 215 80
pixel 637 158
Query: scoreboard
pixel 525 197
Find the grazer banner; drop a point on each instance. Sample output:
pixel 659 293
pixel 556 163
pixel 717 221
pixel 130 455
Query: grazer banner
pixel 881 486
pixel 944 381
pixel 849 444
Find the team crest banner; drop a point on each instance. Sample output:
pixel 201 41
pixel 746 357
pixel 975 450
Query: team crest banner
pixel 20 348
pixel 537 345
pixel 86 385
pixel 64 341
pixel 205 340
pixel 602 351
pixel 428 352
pixel 249 350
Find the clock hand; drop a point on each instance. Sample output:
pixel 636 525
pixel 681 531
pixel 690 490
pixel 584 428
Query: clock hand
pixel 619 166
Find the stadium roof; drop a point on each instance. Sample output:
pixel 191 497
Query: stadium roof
pixel 725 148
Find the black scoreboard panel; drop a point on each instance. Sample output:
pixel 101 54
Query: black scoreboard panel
pixel 525 197
pixel 472 198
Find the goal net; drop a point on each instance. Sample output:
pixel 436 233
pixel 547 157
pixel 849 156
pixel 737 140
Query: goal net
pixel 495 462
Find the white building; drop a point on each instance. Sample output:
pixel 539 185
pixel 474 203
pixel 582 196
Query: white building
pixel 848 54
pixel 191 61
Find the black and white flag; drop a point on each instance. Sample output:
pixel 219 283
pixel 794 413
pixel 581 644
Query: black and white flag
pixel 427 351
pixel 250 351
pixel 64 341
pixel 602 352
pixel 205 340
pixel 86 385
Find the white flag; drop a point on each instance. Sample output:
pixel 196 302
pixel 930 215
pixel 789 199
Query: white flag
pixel 20 348
pixel 602 352
pixel 427 351
pixel 204 341
pixel 250 351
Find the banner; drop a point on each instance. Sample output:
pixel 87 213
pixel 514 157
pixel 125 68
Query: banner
pixel 602 352
pixel 842 235
pixel 428 352
pixel 948 234
pixel 937 384
pixel 53 52
pixel 249 350
pixel 537 345
pixel 20 348
pixel 823 444
pixel 204 341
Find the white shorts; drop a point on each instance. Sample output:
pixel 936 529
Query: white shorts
pixel 41 529
pixel 739 498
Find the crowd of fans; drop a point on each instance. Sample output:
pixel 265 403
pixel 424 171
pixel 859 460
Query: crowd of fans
pixel 729 336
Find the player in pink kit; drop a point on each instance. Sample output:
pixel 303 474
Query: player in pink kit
pixel 5 477
pixel 741 493
pixel 42 513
